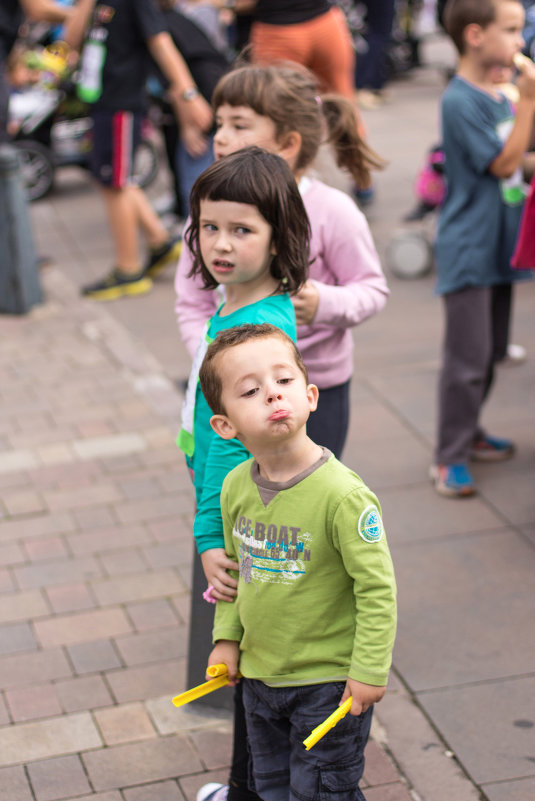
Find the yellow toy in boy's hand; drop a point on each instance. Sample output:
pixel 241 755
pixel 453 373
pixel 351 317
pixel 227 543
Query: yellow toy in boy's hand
pixel 220 679
pixel 321 730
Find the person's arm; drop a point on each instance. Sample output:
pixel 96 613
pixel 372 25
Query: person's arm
pixel 512 154
pixel 194 305
pixel 194 114
pixel 349 254
pixel 77 23
pixel 366 557
pixel 46 10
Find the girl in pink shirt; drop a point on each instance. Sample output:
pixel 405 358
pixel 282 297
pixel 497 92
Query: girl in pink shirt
pixel 279 108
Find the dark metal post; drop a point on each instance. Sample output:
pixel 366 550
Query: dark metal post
pixel 200 640
pixel 19 279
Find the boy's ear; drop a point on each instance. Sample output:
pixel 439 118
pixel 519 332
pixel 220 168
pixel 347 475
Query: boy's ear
pixel 473 34
pixel 222 426
pixel 312 395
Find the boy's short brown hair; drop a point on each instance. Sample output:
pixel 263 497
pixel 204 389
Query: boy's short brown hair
pixel 458 14
pixel 209 376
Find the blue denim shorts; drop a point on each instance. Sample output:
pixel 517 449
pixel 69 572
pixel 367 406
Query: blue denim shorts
pixel 279 719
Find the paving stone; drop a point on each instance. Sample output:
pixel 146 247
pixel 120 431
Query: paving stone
pixel 215 747
pixel 190 785
pixel 14 785
pixel 11 554
pixel 15 606
pixel 83 693
pixel 379 768
pixel 151 509
pixel 171 529
pixel 162 791
pixel 94 517
pixel 505 711
pixel 42 525
pixel 389 792
pixel 140 486
pixel 54 779
pixel 30 668
pixel 114 445
pixel 169 554
pixel 22 502
pixel 31 703
pixel 59 571
pixel 16 460
pixel 104 539
pixel 94 428
pixel 138 763
pixel 124 561
pixel 94 657
pixel 7 583
pixel 113 795
pixel 58 736
pixel 124 724
pixel 55 453
pixel 96 495
pixel 81 627
pixel 139 587
pixel 137 684
pixel 69 597
pixel 152 615
pixel 520 790
pixel 45 548
pixel 153 646
pixel 170 719
pixel 4 715
pixel 454 576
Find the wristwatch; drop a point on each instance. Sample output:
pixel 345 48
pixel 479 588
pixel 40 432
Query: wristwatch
pixel 190 94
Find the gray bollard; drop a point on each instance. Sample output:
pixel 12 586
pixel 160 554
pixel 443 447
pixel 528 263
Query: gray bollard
pixel 200 641
pixel 19 277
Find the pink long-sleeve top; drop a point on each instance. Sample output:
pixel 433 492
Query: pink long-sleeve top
pixel 345 268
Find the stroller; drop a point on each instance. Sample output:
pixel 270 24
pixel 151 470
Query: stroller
pixel 51 128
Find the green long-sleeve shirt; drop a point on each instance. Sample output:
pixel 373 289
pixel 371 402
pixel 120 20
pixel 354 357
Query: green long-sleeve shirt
pixel 316 591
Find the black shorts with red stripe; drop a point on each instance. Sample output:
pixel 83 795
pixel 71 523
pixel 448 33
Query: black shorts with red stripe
pixel 116 135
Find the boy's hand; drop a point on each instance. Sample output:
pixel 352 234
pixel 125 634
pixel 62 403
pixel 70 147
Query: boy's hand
pixel 215 564
pixel 226 652
pixel 526 78
pixel 364 695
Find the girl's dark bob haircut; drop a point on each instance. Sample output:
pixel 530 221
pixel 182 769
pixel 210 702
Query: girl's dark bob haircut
pixel 264 180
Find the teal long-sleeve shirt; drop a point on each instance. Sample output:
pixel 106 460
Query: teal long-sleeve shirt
pixel 209 456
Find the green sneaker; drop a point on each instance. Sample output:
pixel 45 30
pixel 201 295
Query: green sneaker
pixel 118 284
pixel 162 256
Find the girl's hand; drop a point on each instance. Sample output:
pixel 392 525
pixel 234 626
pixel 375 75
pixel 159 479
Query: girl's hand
pixel 364 695
pixel 306 304
pixel 226 652
pixel 215 564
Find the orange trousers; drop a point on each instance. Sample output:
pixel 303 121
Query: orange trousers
pixel 322 44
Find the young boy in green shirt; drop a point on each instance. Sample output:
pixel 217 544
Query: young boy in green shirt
pixel 315 615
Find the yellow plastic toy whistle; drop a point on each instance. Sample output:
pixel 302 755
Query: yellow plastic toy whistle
pixel 220 679
pixel 321 730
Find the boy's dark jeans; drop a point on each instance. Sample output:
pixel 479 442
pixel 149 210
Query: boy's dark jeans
pixel 279 719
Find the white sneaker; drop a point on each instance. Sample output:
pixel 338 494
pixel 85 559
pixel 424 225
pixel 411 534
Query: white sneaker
pixel 516 354
pixel 213 792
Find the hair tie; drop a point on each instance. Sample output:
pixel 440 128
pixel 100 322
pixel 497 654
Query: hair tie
pixel 284 280
pixel 318 100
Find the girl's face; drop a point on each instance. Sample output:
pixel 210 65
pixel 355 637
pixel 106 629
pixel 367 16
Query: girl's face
pixel 240 126
pixel 236 245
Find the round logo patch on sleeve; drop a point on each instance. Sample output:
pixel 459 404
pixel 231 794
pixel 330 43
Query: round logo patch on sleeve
pixel 370 524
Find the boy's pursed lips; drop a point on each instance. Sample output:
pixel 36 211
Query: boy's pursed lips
pixel 279 414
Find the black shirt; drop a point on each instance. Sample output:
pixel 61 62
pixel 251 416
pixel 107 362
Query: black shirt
pixel 10 19
pixel 122 28
pixel 281 12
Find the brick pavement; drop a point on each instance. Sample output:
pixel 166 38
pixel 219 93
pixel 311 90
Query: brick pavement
pixel 95 559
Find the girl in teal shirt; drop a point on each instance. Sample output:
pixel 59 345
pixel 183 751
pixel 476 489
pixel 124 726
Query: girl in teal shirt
pixel 249 233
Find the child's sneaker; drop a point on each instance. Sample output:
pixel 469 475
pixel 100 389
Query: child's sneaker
pixel 452 480
pixel 213 792
pixel 117 284
pixel 160 257
pixel 491 449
